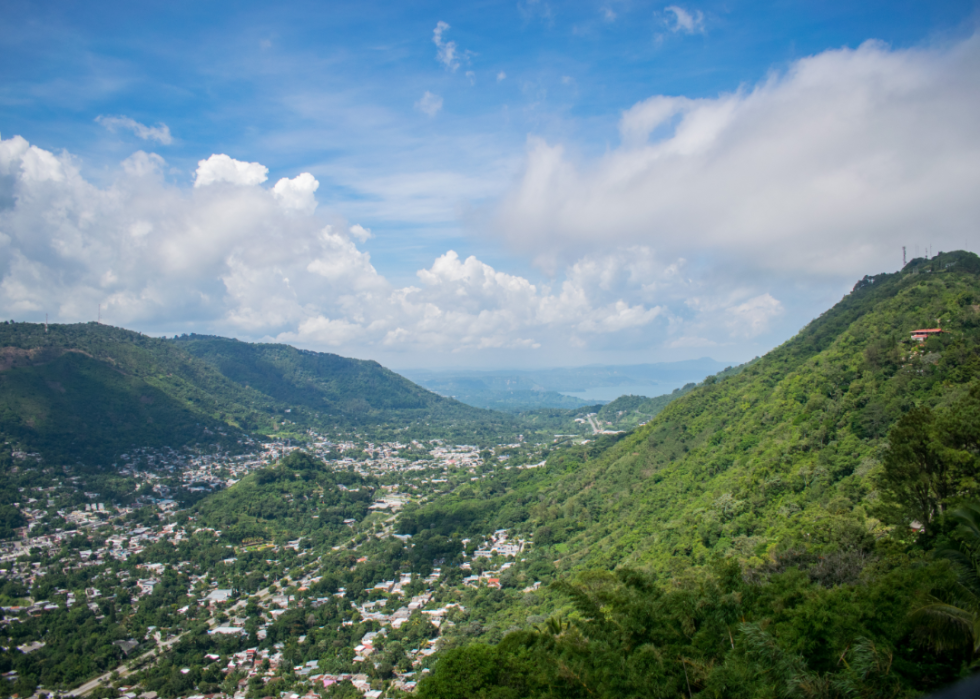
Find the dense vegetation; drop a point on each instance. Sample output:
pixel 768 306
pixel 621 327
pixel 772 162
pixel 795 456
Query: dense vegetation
pixel 297 497
pixel 785 519
pixel 326 391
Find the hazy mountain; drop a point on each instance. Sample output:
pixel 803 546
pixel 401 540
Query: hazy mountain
pixel 517 390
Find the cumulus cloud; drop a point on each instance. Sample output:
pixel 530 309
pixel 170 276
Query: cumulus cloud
pixel 237 260
pixel 159 133
pixel 826 169
pixel 222 168
pixel 684 21
pixel 296 194
pixel 429 104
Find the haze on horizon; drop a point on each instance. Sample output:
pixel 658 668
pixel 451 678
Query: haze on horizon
pixel 512 184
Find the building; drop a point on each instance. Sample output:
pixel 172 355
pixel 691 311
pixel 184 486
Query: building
pixel 922 335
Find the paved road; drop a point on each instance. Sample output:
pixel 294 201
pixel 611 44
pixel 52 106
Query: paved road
pixel 124 669
pixel 593 425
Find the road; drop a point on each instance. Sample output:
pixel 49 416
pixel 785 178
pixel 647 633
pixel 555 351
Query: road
pixel 593 424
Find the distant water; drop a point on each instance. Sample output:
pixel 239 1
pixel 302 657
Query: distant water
pixel 606 394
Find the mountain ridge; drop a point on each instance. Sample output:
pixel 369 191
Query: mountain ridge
pixel 89 391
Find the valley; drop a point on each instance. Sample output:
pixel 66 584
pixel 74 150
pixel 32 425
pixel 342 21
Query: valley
pixel 273 522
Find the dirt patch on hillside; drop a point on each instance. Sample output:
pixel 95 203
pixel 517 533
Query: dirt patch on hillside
pixel 16 357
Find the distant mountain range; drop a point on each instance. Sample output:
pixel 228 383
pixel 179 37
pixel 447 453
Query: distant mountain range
pixel 517 390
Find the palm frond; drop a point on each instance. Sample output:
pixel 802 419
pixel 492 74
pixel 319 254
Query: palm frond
pixel 945 626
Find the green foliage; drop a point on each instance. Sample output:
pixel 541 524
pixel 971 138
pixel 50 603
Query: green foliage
pixel 627 634
pixel 950 617
pixel 298 496
pixel 932 459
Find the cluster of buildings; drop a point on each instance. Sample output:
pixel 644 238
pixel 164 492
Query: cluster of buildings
pixel 99 533
pixel 497 544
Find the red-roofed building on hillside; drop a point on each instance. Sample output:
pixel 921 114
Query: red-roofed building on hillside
pixel 920 335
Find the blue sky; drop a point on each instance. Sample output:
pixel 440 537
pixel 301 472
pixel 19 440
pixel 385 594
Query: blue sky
pixel 505 184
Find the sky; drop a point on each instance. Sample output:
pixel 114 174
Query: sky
pixel 480 185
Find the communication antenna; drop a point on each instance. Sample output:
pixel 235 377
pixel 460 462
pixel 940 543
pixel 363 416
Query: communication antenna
pixel 903 257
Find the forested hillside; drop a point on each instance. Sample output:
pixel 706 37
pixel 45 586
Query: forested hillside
pixel 323 389
pixel 786 452
pixel 772 530
pixel 87 392
pixel 298 497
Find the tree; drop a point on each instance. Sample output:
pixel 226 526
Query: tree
pixel 916 477
pixel 952 620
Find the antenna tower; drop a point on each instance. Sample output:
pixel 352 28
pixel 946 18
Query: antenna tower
pixel 903 257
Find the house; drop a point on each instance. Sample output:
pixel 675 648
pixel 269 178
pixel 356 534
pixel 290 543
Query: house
pixel 922 335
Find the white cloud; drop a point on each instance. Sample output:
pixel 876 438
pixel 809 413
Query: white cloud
pixel 238 261
pixel 221 168
pixel 297 194
pixel 429 104
pixel 142 164
pixel 501 76
pixel 752 318
pixel 360 233
pixel 159 133
pixel 684 21
pixel 825 170
pixel 445 50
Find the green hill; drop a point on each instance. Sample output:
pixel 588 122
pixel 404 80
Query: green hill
pixel 87 392
pixel 784 453
pixel 297 497
pixel 326 390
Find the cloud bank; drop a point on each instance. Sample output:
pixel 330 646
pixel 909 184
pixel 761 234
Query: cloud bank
pixel 232 256
pixel 707 226
pixel 825 170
